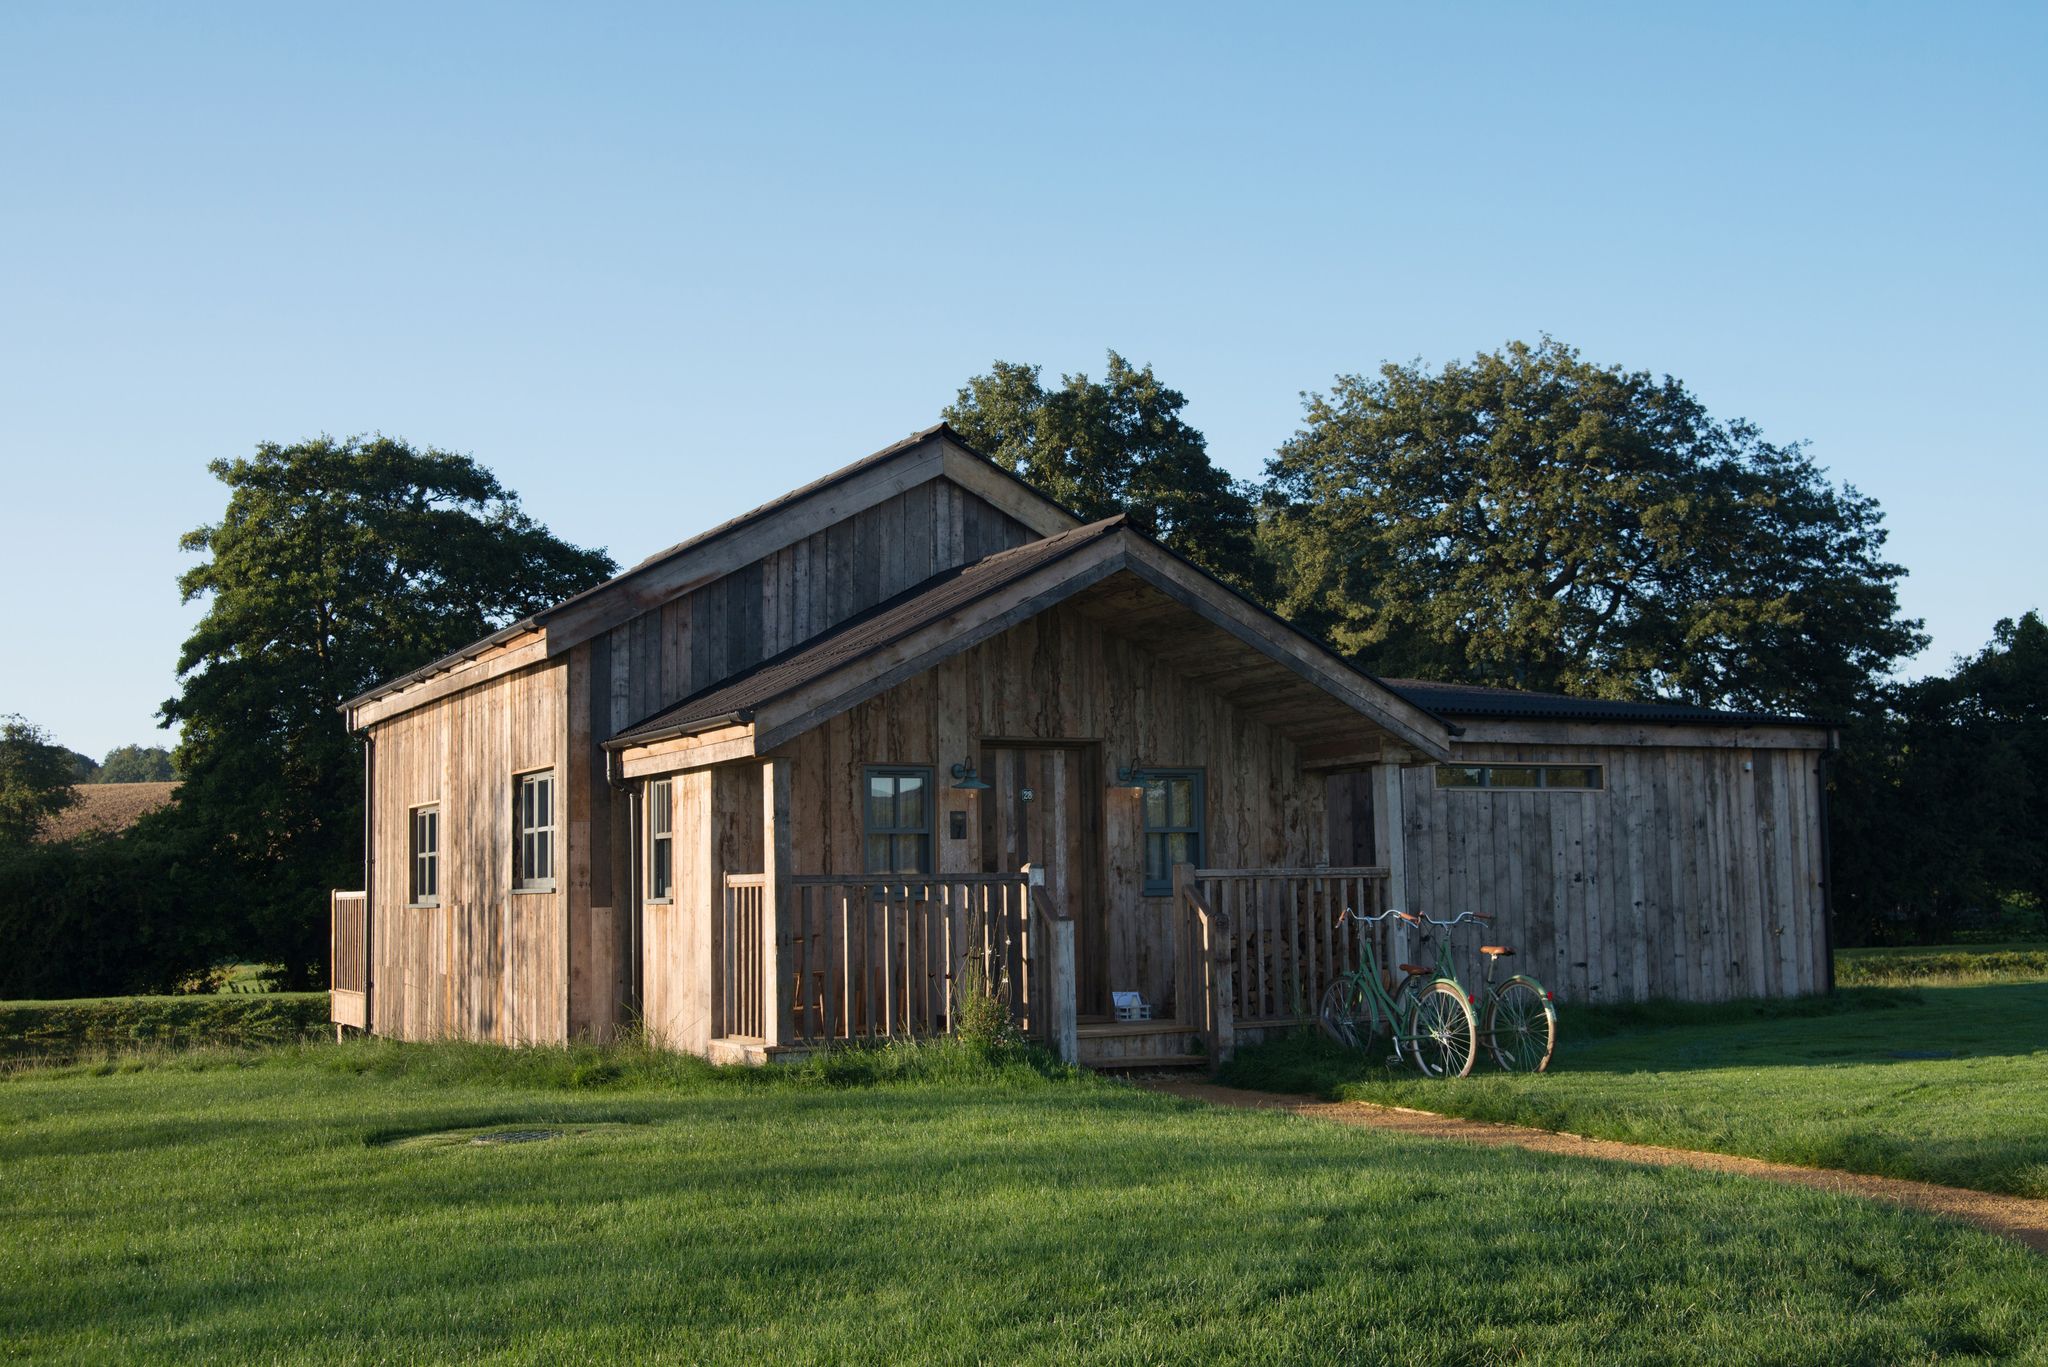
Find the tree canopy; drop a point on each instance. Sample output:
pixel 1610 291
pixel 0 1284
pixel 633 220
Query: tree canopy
pixel 337 564
pixel 1114 445
pixel 1532 519
pixel 1941 795
pixel 35 779
pixel 135 764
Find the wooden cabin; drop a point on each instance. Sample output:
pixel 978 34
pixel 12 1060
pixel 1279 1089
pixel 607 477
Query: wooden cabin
pixel 803 777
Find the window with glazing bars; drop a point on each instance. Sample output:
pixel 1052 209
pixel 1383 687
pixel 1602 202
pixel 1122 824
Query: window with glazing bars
pixel 426 856
pixel 1173 824
pixel 1576 777
pixel 897 821
pixel 661 868
pixel 533 824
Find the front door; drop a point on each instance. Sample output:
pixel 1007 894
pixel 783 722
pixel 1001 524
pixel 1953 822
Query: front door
pixel 1047 812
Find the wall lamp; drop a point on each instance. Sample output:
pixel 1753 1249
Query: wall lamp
pixel 966 780
pixel 1130 776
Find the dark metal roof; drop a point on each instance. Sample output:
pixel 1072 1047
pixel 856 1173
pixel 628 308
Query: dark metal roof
pixel 731 525
pixel 1515 704
pixel 737 698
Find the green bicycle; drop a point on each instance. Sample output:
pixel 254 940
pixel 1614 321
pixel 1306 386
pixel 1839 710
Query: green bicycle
pixel 1428 1016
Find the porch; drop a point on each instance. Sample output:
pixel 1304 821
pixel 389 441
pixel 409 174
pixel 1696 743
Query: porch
pixel 816 960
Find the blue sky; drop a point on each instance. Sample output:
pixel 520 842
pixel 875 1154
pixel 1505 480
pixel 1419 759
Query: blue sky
pixel 656 265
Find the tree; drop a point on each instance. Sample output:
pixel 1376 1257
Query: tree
pixel 1940 797
pixel 35 779
pixel 336 565
pixel 135 764
pixel 1120 445
pixel 84 768
pixel 1532 519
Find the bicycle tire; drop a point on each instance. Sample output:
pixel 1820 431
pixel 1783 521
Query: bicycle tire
pixel 1521 1026
pixel 1443 1034
pixel 1347 1014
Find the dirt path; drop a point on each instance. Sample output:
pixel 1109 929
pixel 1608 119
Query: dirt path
pixel 2015 1217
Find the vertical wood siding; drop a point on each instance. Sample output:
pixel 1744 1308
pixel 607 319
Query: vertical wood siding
pixel 1688 876
pixel 1061 677
pixel 487 963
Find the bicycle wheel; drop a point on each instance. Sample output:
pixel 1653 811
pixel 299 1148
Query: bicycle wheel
pixel 1521 1026
pixel 1443 1034
pixel 1347 1014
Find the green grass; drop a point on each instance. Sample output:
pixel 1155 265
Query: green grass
pixel 916 1205
pixel 89 1026
pixel 1940 1083
pixel 2019 960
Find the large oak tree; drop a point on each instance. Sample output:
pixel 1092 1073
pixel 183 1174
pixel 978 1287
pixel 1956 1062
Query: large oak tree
pixel 1532 519
pixel 1114 445
pixel 337 564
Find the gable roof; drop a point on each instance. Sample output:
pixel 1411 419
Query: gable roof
pixel 952 611
pixel 935 452
pixel 1517 704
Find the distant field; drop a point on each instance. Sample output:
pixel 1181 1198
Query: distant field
pixel 102 808
pixel 292 1206
pixel 1943 1083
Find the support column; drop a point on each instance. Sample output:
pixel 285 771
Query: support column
pixel 1390 840
pixel 778 906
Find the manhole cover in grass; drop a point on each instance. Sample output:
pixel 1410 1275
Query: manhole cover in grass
pixel 490 1136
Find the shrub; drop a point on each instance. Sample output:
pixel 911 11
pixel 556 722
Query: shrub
pixel 108 1025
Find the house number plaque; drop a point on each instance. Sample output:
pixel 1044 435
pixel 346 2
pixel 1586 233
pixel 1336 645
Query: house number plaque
pixel 1026 795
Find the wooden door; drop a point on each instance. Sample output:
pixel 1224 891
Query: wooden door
pixel 1044 808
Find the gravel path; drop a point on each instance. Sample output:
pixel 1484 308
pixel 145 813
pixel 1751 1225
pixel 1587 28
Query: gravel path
pixel 2015 1217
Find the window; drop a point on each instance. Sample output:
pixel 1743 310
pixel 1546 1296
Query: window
pixel 661 852
pixel 897 821
pixel 426 857
pixel 533 824
pixel 1173 825
pixel 1579 777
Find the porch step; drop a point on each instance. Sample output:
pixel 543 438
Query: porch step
pixel 1148 1044
pixel 1140 1065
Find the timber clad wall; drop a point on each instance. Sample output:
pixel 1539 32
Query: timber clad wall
pixel 534 967
pixel 487 963
pixel 1688 876
pixel 1062 676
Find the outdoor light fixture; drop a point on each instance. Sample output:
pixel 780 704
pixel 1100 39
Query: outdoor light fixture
pixel 1130 776
pixel 966 780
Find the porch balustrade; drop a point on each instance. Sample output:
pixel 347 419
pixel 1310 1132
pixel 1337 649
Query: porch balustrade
pixel 348 978
pixel 856 957
pixel 1267 942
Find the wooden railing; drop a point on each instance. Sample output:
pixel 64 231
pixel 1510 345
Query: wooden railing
pixel 737 1014
pixel 348 976
pixel 856 957
pixel 1269 941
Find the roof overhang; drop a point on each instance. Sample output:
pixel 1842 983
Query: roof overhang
pixel 1257 660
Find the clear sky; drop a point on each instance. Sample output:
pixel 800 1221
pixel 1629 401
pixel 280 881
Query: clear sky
pixel 657 265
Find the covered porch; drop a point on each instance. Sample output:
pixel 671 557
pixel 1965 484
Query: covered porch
pixel 815 960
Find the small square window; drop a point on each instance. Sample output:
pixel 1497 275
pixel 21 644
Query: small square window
pixel 661 844
pixel 533 825
pixel 425 839
pixel 1173 804
pixel 897 821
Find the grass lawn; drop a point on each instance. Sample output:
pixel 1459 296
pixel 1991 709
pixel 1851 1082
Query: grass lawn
pixel 1944 1083
pixel 2017 960
pixel 922 1205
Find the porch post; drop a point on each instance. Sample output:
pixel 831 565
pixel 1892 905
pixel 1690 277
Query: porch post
pixel 1062 1025
pixel 1390 836
pixel 778 906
